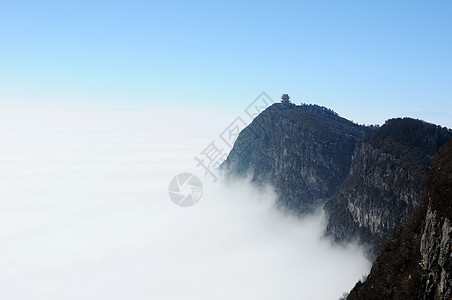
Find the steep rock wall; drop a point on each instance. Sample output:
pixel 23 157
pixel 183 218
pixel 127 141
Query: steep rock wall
pixel 385 182
pixel 416 263
pixel 305 152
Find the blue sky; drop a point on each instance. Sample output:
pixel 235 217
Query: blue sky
pixel 368 60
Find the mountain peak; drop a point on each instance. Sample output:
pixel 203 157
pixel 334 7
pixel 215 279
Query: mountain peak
pixel 305 151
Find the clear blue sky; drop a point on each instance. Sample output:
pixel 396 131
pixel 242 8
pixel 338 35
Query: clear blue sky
pixel 365 59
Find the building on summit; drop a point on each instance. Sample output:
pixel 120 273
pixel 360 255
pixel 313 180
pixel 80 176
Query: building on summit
pixel 285 98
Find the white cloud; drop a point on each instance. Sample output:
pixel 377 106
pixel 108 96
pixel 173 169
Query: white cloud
pixel 85 214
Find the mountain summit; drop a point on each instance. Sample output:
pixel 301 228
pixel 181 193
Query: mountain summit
pixel 304 151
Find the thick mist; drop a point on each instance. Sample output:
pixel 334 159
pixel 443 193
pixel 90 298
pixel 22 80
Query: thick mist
pixel 85 214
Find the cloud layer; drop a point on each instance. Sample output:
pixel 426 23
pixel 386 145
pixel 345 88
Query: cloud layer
pixel 85 214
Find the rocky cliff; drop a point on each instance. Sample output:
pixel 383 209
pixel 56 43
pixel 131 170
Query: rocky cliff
pixel 385 182
pixel 304 151
pixel 416 263
pixel 372 180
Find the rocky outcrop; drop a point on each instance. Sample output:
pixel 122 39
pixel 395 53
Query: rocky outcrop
pixel 436 251
pixel 385 182
pixel 436 239
pixel 304 151
pixel 416 263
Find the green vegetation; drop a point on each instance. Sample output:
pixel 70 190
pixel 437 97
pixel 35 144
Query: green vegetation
pixel 319 110
pixel 416 134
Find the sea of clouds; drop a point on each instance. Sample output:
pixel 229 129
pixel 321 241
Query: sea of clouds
pixel 85 214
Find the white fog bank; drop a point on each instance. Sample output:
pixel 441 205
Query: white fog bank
pixel 85 214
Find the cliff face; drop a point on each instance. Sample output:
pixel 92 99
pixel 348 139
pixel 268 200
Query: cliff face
pixel 375 184
pixel 304 151
pixel 436 239
pixel 385 182
pixel 416 263
pixel 436 250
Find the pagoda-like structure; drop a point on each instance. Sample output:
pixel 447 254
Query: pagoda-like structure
pixel 285 98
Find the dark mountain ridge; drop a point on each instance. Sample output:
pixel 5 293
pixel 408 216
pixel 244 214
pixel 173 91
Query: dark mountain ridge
pixel 304 151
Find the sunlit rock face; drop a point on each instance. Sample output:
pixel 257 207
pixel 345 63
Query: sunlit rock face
pixel 385 182
pixel 304 151
pixel 416 262
pixel 436 250
pixel 436 239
